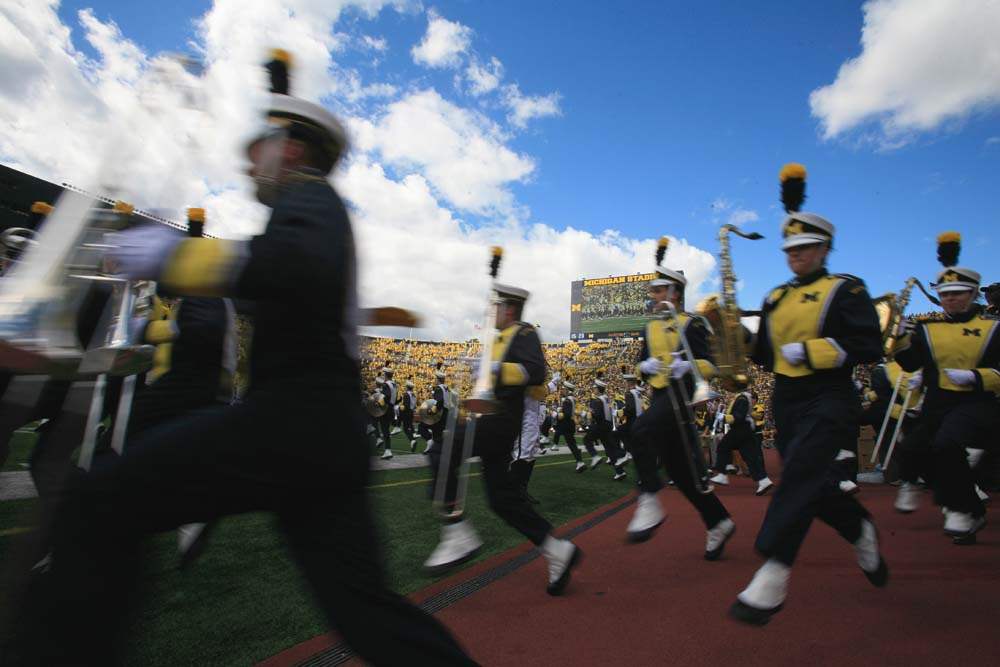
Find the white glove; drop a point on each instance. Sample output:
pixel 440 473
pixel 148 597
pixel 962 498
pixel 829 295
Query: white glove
pixel 142 251
pixel 651 366
pixel 679 367
pixel 556 377
pixel 906 327
pixel 794 353
pixel 960 377
pixel 915 381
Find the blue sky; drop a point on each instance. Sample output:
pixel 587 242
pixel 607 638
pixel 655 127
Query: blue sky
pixel 673 116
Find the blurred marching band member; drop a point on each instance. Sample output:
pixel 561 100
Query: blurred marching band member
pixel 269 453
pixel 407 408
pixel 603 427
pixel 566 424
pixel 742 439
pixel 960 357
pixel 517 364
pixel 657 433
pixel 881 383
pixel 813 331
pixel 391 393
pixel 443 400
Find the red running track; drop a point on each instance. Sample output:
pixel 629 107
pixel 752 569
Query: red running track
pixel 660 602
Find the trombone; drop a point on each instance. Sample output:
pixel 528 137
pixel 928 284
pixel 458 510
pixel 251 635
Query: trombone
pixel 683 415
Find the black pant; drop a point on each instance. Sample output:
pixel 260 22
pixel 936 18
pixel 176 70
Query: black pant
pixel 385 427
pixel 567 430
pixel 813 423
pixel 935 450
pixel 609 439
pixel 268 453
pixel 406 421
pixel 743 440
pixel 656 435
pixel 492 442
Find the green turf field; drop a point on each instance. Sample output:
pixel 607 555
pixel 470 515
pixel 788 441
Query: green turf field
pixel 20 449
pixel 614 324
pixel 243 600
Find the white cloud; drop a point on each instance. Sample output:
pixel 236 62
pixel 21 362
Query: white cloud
pixel 526 107
pixel 419 164
pixel 484 78
pixel 443 43
pixel 461 152
pixel 724 209
pixel 923 63
pixel 993 141
pixel 375 43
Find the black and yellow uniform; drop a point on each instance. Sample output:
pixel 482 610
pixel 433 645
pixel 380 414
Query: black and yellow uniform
pixel 602 428
pixel 953 417
pixel 407 408
pixel 392 398
pixel 740 438
pixel 631 412
pixel 656 434
pixel 271 452
pixel 443 397
pixel 194 362
pixel 566 426
pixel 883 380
pixel 518 351
pixel 816 405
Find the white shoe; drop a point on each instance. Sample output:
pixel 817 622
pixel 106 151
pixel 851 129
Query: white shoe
pixel 974 456
pixel 620 475
pixel 907 498
pixel 848 487
pixel 459 542
pixel 957 523
pixel 596 461
pixel 716 538
pixel 844 455
pixel 413 445
pixel 721 478
pixel 430 443
pixel 378 442
pixel 387 454
pixel 580 466
pixel 764 486
pixel 562 557
pixel 733 469
pixel 766 593
pixel 543 440
pixel 869 557
pixel 983 496
pixel 647 518
pixel 395 430
pixel 622 460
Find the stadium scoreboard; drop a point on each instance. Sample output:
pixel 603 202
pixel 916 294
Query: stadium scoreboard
pixel 611 307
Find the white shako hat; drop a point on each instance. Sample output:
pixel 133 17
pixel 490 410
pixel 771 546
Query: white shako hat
pixel 800 228
pixel 301 120
pixel 664 275
pixel 510 294
pixel 569 385
pixel 953 278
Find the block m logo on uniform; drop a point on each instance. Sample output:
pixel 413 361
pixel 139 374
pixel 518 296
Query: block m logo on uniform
pixel 972 332
pixel 809 296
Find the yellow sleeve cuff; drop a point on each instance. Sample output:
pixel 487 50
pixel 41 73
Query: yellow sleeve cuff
pixel 729 419
pixel 512 374
pixel 824 354
pixel 160 331
pixel 990 379
pixel 538 392
pixel 896 410
pixel 706 368
pixel 871 396
pixel 201 267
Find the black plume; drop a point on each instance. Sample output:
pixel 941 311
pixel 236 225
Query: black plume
pixel 278 69
pixel 495 258
pixel 661 249
pixel 949 247
pixel 793 186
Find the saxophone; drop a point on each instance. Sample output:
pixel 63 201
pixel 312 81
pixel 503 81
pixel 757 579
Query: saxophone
pixel 728 341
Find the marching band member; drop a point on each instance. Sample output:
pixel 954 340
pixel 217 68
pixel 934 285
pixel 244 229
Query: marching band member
pixel 960 357
pixel 407 408
pixel 391 393
pixel 657 433
pixel 442 403
pixel 269 453
pixel 518 363
pixel 813 331
pixel 566 423
pixel 602 427
pixel 741 438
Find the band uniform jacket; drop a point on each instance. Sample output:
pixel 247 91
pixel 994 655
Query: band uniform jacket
pixel 518 350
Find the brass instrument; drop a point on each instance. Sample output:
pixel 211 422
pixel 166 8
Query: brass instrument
pixel 482 400
pixel 427 414
pixel 376 404
pixel 729 346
